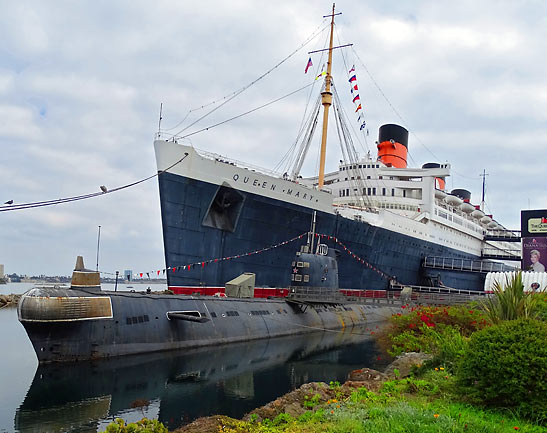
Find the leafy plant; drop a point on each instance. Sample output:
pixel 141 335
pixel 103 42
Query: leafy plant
pixel 312 401
pixel 541 305
pixel 506 366
pixel 253 418
pixel 334 384
pixel 282 418
pixel 143 426
pixel 361 394
pixel 510 301
pixel 448 346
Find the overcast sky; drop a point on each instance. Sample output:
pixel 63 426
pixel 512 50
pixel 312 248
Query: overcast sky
pixel 81 85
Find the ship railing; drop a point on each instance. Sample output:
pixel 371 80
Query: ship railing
pixel 238 163
pixel 215 156
pixel 439 290
pixel 399 295
pixel 365 208
pixel 469 265
pixel 502 253
pixel 503 235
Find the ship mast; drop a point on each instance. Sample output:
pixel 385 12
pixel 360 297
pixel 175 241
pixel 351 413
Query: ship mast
pixel 326 101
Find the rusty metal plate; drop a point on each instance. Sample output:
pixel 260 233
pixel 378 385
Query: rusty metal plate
pixel 64 308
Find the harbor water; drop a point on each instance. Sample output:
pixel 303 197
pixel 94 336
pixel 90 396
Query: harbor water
pixel 175 387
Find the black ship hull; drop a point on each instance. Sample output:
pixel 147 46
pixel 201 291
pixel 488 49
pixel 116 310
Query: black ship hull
pixel 261 222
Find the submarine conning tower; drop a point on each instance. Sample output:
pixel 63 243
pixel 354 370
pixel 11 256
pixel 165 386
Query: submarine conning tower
pixel 318 270
pixel 83 278
pixel 393 145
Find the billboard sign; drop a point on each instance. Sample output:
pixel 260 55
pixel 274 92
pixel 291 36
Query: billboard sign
pixel 533 224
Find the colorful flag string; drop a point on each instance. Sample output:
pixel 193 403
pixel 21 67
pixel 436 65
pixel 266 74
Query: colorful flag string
pixel 321 236
pixel 356 99
pixel 220 259
pixel 355 256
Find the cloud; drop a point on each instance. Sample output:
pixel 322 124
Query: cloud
pixel 81 87
pixel 18 122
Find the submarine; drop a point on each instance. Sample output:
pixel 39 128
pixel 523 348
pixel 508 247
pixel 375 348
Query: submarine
pixel 84 322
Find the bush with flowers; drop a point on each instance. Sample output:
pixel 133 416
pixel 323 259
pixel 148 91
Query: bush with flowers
pixel 466 319
pixel 438 330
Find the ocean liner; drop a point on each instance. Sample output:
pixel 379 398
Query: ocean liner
pixel 305 244
pixel 385 218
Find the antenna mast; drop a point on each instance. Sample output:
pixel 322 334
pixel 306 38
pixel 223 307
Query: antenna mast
pixel 326 101
pixel 98 244
pixel 483 175
pixel 159 122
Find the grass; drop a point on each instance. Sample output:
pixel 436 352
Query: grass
pixel 412 416
pixel 424 405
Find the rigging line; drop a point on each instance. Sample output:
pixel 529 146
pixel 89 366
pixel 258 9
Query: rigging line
pixel 299 154
pixel 292 155
pixel 343 112
pixel 85 196
pixel 393 107
pixel 247 112
pixel 463 175
pixel 316 75
pixel 360 183
pixel 366 147
pixel 290 158
pixel 240 91
pixel 347 144
pixel 309 39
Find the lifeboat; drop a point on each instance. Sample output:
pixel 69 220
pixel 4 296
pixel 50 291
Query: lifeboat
pixel 467 207
pixel 440 194
pixel 453 200
pixel 486 219
pixel 477 213
pixel 493 225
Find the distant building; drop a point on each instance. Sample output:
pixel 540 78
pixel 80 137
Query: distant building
pixel 1 271
pixel 127 274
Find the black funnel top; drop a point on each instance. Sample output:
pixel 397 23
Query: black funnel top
pixel 461 193
pixel 393 132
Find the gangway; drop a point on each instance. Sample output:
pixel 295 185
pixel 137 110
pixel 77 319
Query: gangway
pixel 503 235
pixel 464 265
pixel 501 254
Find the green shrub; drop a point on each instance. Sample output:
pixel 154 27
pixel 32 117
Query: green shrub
pixel 143 426
pixel 445 342
pixel 448 346
pixel 541 305
pixel 510 301
pixel 506 366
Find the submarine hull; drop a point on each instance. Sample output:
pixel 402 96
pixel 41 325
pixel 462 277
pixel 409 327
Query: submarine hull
pixel 72 325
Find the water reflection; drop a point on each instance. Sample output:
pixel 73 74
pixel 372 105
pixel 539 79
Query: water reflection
pixel 180 387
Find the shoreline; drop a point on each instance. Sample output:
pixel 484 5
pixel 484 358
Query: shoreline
pixel 9 301
pixel 297 402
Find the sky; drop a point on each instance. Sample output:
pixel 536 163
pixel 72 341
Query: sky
pixel 81 85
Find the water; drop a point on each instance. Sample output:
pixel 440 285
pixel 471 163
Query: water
pixel 179 386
